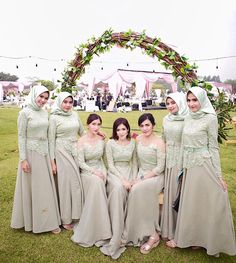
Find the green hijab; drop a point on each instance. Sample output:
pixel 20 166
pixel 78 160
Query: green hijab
pixel 56 109
pixel 180 100
pixel 206 106
pixel 34 93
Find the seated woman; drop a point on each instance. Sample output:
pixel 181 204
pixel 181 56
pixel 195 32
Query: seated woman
pixel 142 220
pixel 122 170
pixel 94 226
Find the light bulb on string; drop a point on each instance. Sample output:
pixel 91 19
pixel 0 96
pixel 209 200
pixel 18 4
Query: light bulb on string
pixel 217 64
pixel 17 66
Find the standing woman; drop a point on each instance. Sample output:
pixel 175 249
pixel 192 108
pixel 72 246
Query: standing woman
pixel 94 225
pixel 205 218
pixel 122 170
pixel 64 127
pixel 172 133
pixel 35 202
pixel 142 220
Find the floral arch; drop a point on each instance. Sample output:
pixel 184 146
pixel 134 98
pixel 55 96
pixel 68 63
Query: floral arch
pixel 153 47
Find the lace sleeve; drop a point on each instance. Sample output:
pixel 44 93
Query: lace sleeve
pixel 81 131
pixel 22 123
pixel 110 160
pixel 81 159
pixel 161 158
pixel 213 144
pixel 134 164
pixel 52 136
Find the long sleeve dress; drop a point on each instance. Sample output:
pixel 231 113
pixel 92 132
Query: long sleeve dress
pixel 142 219
pixel 94 226
pixel 63 137
pixel 122 164
pixel 172 133
pixel 35 204
pixel 205 217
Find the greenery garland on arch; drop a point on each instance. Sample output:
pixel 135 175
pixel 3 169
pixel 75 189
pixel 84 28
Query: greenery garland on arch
pixel 153 47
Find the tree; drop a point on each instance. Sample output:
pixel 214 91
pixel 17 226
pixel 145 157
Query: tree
pixel 7 77
pixel 212 78
pixel 47 83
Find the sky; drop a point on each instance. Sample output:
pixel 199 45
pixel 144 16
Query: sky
pixel 52 29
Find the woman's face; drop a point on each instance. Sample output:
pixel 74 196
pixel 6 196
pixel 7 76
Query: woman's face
pixel 146 128
pixel 42 99
pixel 94 126
pixel 193 102
pixel 122 132
pixel 67 104
pixel 171 106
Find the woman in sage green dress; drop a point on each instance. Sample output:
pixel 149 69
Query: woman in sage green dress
pixel 172 133
pixel 64 127
pixel 94 227
pixel 122 170
pixel 142 226
pixel 35 204
pixel 205 217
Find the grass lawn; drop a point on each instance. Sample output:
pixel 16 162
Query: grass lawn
pixel 20 246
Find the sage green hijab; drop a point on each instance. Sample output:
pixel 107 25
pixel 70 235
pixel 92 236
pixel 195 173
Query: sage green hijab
pixel 180 100
pixel 34 93
pixel 56 109
pixel 206 106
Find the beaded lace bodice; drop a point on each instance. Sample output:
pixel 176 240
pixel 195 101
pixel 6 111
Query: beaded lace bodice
pixel 172 135
pixel 122 159
pixel 150 157
pixel 200 142
pixel 32 132
pixel 63 132
pixel 91 156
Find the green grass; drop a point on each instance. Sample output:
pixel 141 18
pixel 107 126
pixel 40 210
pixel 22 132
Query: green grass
pixel 20 246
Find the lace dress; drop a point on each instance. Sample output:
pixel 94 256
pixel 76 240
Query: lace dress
pixel 94 226
pixel 205 217
pixel 172 133
pixel 122 164
pixel 143 213
pixel 63 137
pixel 35 204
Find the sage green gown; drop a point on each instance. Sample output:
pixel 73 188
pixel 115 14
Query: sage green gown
pixel 35 204
pixel 142 219
pixel 94 227
pixel 122 164
pixel 172 133
pixel 205 217
pixel 63 137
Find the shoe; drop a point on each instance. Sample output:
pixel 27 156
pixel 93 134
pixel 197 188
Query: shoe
pixel 56 231
pixel 146 247
pixel 68 226
pixel 195 247
pixel 171 243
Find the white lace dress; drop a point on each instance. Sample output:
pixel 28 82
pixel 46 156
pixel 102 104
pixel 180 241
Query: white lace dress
pixel 35 204
pixel 172 133
pixel 205 217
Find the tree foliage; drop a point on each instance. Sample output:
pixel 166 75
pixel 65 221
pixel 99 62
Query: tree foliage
pixel 47 83
pixel 7 77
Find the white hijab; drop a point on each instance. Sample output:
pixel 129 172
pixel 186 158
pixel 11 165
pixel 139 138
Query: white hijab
pixel 34 93
pixel 180 100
